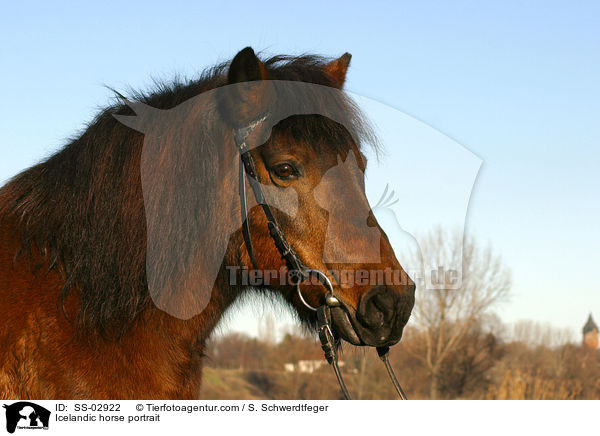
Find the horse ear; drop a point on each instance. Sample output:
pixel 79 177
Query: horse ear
pixel 246 96
pixel 337 69
pixel 246 67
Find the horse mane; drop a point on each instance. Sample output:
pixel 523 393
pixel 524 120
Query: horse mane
pixel 82 209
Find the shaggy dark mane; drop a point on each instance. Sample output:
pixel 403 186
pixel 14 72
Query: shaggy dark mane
pixel 82 208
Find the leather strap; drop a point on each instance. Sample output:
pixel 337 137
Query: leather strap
pixel 248 171
pixel 244 212
pixel 384 355
pixel 330 345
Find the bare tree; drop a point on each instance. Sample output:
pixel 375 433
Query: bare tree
pixel 444 317
pixel 536 334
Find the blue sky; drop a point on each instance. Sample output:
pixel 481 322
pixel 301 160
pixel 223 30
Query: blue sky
pixel 514 82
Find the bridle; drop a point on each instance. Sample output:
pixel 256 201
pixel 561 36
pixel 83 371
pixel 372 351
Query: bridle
pixel 296 268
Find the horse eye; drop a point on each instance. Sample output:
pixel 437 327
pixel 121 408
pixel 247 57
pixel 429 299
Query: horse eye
pixel 284 171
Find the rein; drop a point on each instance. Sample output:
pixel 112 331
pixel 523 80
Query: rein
pixel 329 343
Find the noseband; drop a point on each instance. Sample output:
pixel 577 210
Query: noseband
pixel 296 268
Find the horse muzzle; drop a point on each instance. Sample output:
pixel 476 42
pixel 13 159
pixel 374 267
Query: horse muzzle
pixel 379 319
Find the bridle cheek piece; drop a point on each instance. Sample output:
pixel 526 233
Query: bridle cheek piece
pixel 296 268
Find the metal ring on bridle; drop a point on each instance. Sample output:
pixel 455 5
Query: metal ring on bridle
pixel 323 279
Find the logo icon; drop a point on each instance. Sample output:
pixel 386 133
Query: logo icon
pixel 188 205
pixel 26 415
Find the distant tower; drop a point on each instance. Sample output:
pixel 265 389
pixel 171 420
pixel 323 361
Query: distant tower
pixel 590 334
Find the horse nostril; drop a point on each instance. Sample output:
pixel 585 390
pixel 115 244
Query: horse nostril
pixel 378 307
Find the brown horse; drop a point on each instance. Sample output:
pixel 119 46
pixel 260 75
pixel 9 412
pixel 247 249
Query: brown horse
pixel 78 318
